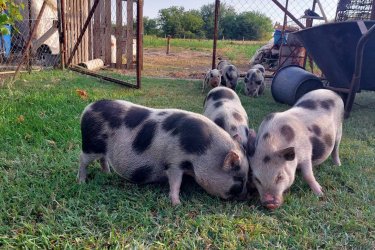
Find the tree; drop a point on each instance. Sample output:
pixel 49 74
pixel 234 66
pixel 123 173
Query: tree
pixel 170 20
pixel 252 26
pixel 208 16
pixel 151 26
pixel 9 13
pixel 192 24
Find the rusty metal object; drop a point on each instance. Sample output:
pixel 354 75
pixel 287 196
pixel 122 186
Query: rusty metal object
pixel 289 14
pixel 217 11
pixel 28 44
pixel 82 70
pixel 356 80
pixel 139 42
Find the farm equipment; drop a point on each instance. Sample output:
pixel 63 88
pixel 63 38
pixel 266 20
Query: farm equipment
pixel 345 53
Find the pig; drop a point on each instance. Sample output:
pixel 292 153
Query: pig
pixel 229 74
pixel 254 81
pixel 299 138
pixel 223 106
pixel 145 145
pixel 212 78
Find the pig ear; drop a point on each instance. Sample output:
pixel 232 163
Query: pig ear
pixel 231 161
pixel 251 142
pixel 288 153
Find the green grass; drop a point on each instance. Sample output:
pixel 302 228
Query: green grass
pixel 231 49
pixel 42 206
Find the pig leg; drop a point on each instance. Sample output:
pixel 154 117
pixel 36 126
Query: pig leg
pixel 84 161
pixel 105 166
pixel 309 177
pixel 175 179
pixel 335 152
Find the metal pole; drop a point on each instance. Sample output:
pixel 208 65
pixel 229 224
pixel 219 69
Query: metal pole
pixel 139 42
pixel 373 11
pixel 60 10
pixel 289 14
pixel 79 40
pixel 28 44
pixel 217 12
pixel 30 27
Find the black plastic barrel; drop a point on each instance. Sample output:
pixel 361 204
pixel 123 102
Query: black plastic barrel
pixel 291 82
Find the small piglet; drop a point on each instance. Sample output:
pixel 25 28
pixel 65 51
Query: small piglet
pixel 223 106
pixel 299 138
pixel 254 81
pixel 229 74
pixel 146 145
pixel 212 78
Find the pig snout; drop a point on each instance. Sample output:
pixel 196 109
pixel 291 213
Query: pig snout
pixel 215 82
pixel 271 202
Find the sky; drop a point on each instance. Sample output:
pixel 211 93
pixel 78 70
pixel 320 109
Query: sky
pixel 267 7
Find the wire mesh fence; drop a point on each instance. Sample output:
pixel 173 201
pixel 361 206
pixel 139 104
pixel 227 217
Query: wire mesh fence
pixel 282 17
pixel 44 48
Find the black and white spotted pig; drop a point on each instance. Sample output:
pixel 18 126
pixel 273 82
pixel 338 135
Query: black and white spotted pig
pixel 146 145
pixel 223 106
pixel 299 138
pixel 212 79
pixel 229 74
pixel 254 81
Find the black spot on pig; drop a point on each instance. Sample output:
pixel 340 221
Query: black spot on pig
pixel 218 104
pixel 166 166
pixel 327 104
pixel 318 148
pixel 307 104
pixel 195 136
pixel 111 111
pixel 266 159
pixel 233 128
pixel 287 132
pixel 220 122
pixel 92 139
pixel 220 94
pixel 186 165
pixel 266 136
pixel 162 113
pixel 328 140
pixel 269 117
pixel 172 121
pixel 237 116
pixel 142 174
pixel 316 129
pixel 135 116
pixel 144 137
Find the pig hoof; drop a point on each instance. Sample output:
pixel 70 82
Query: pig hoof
pixel 319 192
pixel 176 202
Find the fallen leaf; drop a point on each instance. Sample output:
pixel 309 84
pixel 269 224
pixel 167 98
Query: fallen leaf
pixel 51 143
pixel 82 93
pixel 20 119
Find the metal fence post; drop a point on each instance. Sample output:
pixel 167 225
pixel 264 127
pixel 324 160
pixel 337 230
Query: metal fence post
pixel 217 12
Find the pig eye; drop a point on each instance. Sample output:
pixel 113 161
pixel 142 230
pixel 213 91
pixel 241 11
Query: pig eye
pixel 279 178
pixel 212 75
pixel 257 180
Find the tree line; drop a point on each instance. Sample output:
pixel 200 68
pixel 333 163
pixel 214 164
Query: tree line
pixel 180 23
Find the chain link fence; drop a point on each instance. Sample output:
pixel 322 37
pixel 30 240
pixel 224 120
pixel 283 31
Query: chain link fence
pixel 44 51
pixel 301 14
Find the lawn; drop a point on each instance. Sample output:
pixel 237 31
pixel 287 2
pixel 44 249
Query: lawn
pixel 42 206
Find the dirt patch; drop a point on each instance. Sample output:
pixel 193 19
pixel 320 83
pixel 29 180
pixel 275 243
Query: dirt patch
pixel 178 63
